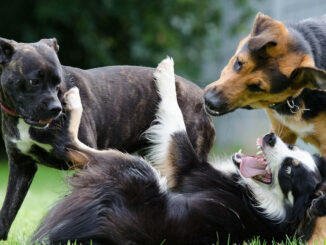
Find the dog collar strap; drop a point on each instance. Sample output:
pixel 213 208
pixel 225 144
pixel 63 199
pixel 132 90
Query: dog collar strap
pixel 8 111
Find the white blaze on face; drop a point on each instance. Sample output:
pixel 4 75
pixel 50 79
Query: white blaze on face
pixel 270 198
pixel 276 154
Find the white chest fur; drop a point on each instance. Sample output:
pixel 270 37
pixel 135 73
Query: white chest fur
pixel 300 127
pixel 24 142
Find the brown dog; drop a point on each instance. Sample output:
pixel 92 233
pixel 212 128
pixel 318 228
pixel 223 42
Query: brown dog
pixel 269 70
pixel 276 67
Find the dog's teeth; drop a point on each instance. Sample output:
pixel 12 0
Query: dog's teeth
pixel 259 153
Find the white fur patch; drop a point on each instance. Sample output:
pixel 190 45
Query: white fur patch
pixel 301 128
pixel 25 142
pixel 169 118
pixel 275 155
pixel 224 165
pixel 270 197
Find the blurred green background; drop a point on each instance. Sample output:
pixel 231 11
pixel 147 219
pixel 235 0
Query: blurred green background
pixel 106 32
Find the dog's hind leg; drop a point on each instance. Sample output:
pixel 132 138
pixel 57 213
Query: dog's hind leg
pixel 168 134
pixel 80 152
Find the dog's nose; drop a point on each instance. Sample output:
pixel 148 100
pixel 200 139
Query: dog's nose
pixel 54 109
pixel 215 102
pixel 270 139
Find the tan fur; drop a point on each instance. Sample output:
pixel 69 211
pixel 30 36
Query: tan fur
pixel 234 84
pixel 319 234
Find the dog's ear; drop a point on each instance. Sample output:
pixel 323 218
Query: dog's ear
pixel 308 77
pixel 52 43
pixel 264 33
pixel 6 50
pixel 321 165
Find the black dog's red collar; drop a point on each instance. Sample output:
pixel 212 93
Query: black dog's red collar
pixel 10 112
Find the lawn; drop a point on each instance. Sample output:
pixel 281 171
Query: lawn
pixel 48 186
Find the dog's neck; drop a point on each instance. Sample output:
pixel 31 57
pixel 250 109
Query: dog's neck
pixel 312 38
pixel 290 106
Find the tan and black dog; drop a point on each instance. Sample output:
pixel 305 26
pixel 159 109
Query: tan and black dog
pixel 276 67
pixel 119 101
pixel 269 70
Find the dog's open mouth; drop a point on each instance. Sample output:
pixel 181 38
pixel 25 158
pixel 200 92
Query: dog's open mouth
pixel 255 167
pixel 38 123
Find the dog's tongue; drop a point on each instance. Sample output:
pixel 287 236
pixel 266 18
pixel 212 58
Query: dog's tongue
pixel 252 166
pixel 45 121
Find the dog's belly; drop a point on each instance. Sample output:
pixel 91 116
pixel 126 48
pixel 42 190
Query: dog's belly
pixel 297 125
pixel 24 142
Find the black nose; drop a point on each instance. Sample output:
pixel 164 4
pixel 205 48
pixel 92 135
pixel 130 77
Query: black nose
pixel 215 102
pixel 269 139
pixel 54 109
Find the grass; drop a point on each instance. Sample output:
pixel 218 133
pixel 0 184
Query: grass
pixel 48 187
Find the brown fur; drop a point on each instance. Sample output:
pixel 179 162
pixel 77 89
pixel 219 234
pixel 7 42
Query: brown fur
pixel 270 46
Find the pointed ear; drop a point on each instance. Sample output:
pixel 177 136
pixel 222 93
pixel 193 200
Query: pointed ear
pixel 6 50
pixel 52 43
pixel 264 32
pixel 308 77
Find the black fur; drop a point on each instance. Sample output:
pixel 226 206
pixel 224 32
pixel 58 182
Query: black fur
pixel 118 200
pixel 309 36
pixel 117 110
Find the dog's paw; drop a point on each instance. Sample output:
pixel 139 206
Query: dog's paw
pixel 72 99
pixel 165 78
pixel 318 207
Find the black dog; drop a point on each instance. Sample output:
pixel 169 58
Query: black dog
pixel 119 106
pixel 121 199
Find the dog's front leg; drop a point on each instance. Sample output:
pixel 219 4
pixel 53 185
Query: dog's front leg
pixel 22 170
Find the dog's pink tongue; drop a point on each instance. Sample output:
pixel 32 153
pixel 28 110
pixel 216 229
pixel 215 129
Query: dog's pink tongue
pixel 252 166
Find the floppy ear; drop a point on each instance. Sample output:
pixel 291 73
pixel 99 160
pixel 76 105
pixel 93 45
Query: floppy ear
pixel 308 77
pixel 6 50
pixel 52 43
pixel 264 32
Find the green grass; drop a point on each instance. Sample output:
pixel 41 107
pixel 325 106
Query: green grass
pixel 48 187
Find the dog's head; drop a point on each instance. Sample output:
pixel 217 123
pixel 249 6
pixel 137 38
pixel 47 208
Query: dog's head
pixel 30 78
pixel 271 64
pixel 283 172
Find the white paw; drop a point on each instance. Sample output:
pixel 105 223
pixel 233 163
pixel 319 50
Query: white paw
pixel 165 78
pixel 72 99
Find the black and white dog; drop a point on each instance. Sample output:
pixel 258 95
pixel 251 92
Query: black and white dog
pixel 122 199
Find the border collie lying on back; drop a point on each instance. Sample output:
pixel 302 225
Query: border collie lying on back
pixel 122 199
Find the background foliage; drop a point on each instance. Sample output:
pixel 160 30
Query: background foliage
pixel 107 32
pixel 116 32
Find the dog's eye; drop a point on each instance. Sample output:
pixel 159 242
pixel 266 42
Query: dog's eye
pixel 34 82
pixel 255 87
pixel 237 65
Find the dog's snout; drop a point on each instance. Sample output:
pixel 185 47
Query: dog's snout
pixel 270 139
pixel 215 102
pixel 54 108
